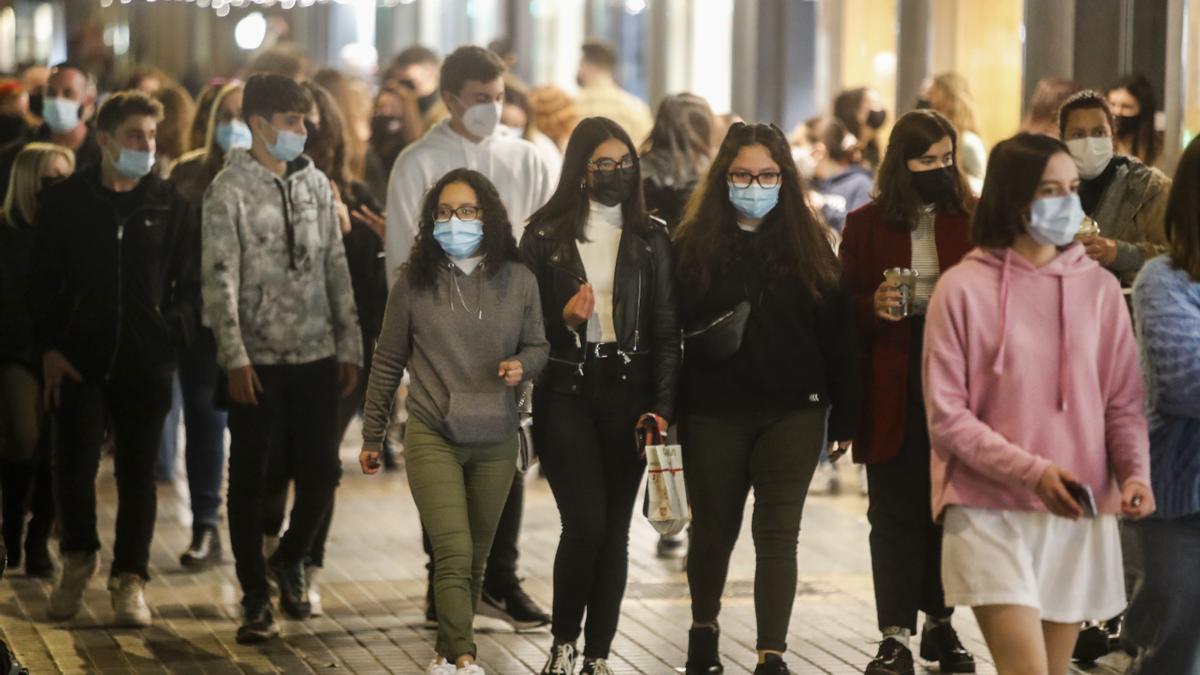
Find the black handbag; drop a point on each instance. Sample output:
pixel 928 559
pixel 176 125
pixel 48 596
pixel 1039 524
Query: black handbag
pixel 717 338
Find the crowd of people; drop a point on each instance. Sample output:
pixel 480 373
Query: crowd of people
pixel 1005 342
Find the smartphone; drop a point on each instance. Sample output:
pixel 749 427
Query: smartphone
pixel 1082 494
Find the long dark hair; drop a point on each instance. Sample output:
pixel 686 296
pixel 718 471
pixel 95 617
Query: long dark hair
pixel 498 242
pixel 1183 213
pixel 1014 172
pixel 791 244
pixel 894 193
pixel 326 144
pixel 567 209
pixel 681 137
pixel 1145 144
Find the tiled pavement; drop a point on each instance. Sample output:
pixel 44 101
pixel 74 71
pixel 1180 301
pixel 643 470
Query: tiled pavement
pixel 374 591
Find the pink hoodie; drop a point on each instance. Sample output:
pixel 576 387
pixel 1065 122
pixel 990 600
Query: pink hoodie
pixel 1025 367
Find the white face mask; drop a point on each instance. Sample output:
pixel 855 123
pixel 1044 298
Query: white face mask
pixel 1091 155
pixel 482 119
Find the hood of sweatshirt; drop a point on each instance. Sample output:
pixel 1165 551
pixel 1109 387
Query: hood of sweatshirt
pixel 1071 262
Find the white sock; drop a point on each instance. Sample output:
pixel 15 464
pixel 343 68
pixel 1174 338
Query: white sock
pixel 901 635
pixel 931 623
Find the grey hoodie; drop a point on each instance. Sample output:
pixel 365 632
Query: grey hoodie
pixel 451 338
pixel 276 286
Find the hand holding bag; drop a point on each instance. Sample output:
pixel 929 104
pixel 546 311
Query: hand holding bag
pixel 665 504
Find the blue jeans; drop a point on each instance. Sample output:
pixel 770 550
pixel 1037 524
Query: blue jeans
pixel 1162 615
pixel 204 427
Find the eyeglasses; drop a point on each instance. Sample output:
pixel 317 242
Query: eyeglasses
pixel 607 164
pixel 466 212
pixel 743 179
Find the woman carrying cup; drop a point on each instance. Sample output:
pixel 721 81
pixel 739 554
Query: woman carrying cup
pixel 893 251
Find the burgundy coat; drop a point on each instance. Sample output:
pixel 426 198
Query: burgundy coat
pixel 870 246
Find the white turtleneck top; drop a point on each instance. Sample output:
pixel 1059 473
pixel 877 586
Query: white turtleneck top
pixel 599 256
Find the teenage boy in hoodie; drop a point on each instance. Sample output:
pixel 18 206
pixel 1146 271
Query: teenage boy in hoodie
pixel 472 87
pixel 278 298
pixel 115 299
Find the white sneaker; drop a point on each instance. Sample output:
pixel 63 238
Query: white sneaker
pixel 67 597
pixel 129 602
pixel 314 591
pixel 440 666
pixel 473 669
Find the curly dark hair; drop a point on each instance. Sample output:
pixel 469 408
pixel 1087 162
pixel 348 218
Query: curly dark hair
pixel 792 245
pixel 498 242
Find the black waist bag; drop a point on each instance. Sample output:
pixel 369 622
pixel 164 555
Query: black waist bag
pixel 717 338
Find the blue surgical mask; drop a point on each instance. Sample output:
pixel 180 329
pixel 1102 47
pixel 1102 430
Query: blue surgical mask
pixel 61 114
pixel 288 145
pixel 754 201
pixel 1054 221
pixel 459 238
pixel 134 163
pixel 234 134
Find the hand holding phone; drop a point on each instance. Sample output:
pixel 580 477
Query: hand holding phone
pixel 1082 494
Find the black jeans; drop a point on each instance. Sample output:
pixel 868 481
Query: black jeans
pixel 590 455
pixel 135 407
pixel 724 457
pixel 296 412
pixel 279 477
pixel 906 544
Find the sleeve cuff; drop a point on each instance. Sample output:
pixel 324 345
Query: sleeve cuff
pixel 1129 258
pixel 1034 473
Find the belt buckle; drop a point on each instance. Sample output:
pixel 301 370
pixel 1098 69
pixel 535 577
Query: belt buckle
pixel 597 352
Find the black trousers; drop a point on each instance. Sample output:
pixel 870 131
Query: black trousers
pixel 295 422
pixel 589 452
pixel 135 407
pixel 906 544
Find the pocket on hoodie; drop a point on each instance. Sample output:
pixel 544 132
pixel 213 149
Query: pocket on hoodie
pixel 481 418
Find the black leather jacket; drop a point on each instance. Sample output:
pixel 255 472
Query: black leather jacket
pixel 644 311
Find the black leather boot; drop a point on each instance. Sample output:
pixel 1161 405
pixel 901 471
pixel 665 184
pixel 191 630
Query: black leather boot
pixel 704 657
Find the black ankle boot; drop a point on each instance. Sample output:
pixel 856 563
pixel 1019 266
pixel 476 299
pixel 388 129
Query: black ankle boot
pixel 703 651
pixel 37 533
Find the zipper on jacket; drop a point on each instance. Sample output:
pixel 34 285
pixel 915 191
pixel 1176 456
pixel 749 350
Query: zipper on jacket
pixel 112 361
pixel 574 275
pixel 637 315
pixel 289 228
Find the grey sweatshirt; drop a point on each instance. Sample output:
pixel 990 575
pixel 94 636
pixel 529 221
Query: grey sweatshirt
pixel 271 298
pixel 452 338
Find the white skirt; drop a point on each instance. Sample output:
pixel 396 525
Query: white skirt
pixel 1069 570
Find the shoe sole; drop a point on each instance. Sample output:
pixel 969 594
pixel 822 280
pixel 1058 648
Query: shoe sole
pixel 131 622
pixel 492 612
pixel 256 638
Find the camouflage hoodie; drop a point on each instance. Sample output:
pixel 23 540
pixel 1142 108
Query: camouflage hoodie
pixel 275 282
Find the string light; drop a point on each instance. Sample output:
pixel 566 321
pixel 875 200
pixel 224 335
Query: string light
pixel 222 7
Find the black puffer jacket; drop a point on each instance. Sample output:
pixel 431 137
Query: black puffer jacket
pixel 117 282
pixel 644 311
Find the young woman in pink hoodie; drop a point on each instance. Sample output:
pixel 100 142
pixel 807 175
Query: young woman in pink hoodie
pixel 1035 404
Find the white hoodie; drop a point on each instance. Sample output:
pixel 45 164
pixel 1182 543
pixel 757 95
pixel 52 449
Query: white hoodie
pixel 512 164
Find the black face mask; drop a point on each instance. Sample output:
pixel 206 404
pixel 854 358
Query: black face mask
pixel 35 103
pixel 612 187
pixel 935 186
pixel 426 102
pixel 876 118
pixel 1127 125
pixel 386 127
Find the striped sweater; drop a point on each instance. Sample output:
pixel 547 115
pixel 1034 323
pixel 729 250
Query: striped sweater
pixel 1166 304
